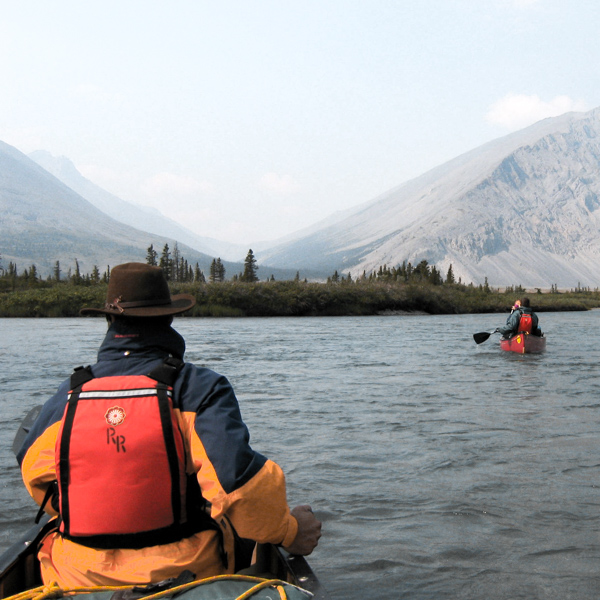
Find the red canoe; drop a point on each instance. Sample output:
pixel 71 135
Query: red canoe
pixel 524 343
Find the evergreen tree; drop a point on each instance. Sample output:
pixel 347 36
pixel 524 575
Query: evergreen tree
pixel 175 264
pixel 95 278
pixel 421 271
pixel 199 275
pixel 450 275
pixel 217 271
pixel 57 271
pixel 434 276
pixel 250 268
pixel 220 270
pixel 152 256
pixel 212 273
pixel 165 262
pixel 76 279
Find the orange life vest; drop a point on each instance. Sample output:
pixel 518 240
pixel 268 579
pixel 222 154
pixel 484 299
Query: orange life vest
pixel 120 461
pixel 525 323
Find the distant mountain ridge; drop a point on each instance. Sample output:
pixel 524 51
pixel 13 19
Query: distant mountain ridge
pixel 522 209
pixel 42 220
pixel 140 217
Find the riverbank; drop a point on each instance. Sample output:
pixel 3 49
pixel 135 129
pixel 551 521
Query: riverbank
pixel 296 299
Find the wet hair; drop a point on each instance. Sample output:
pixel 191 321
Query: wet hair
pixel 525 302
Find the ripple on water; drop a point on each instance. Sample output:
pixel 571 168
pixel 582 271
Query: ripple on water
pixel 441 469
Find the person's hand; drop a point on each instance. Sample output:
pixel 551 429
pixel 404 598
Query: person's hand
pixel 309 531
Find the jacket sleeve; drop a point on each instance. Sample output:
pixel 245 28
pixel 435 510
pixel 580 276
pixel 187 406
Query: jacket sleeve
pixel 512 323
pixel 36 457
pixel 241 484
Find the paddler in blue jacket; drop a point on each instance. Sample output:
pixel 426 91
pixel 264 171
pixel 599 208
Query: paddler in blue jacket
pixel 514 324
pixel 239 493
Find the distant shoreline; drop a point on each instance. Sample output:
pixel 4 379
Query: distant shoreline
pixel 236 299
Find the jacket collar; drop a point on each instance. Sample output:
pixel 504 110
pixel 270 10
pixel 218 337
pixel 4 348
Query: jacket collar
pixel 151 337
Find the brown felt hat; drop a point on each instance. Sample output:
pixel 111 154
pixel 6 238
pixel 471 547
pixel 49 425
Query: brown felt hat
pixel 140 290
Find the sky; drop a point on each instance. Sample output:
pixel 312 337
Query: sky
pixel 250 120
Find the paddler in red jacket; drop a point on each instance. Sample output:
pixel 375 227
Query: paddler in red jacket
pixel 189 494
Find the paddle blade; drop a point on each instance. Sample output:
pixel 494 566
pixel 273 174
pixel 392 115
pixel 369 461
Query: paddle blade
pixel 481 336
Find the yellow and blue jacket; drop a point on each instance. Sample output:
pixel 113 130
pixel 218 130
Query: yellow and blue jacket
pixel 246 491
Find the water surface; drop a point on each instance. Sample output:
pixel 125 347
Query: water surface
pixel 440 469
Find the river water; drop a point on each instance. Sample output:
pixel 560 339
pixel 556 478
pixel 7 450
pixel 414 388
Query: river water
pixel 440 469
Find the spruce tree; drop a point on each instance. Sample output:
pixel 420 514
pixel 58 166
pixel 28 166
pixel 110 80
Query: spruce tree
pixel 95 278
pixel 165 262
pixel 220 270
pixel 152 256
pixel 176 264
pixel 250 268
pixel 76 279
pixel 217 271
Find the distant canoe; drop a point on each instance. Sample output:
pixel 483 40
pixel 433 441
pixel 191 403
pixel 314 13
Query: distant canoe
pixel 524 343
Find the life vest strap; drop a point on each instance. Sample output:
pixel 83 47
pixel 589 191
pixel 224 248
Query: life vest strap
pixel 144 539
pixel 80 376
pixel 167 371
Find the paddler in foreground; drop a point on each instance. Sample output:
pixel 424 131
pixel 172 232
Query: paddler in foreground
pixel 146 459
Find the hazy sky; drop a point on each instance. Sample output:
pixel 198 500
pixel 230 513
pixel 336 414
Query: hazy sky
pixel 248 120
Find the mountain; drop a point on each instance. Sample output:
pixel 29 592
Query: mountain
pixel 520 210
pixel 42 220
pixel 140 217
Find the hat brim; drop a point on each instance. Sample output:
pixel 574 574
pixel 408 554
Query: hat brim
pixel 179 304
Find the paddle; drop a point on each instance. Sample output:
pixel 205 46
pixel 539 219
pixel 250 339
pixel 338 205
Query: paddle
pixel 483 335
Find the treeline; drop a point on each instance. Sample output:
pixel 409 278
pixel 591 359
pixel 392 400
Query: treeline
pixel 404 288
pixel 175 266
pixel 298 298
pixel 404 273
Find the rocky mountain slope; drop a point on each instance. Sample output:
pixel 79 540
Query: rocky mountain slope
pixel 522 209
pixel 42 220
pixel 140 217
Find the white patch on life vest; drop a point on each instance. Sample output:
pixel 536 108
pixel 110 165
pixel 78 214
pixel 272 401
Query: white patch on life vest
pixel 115 416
